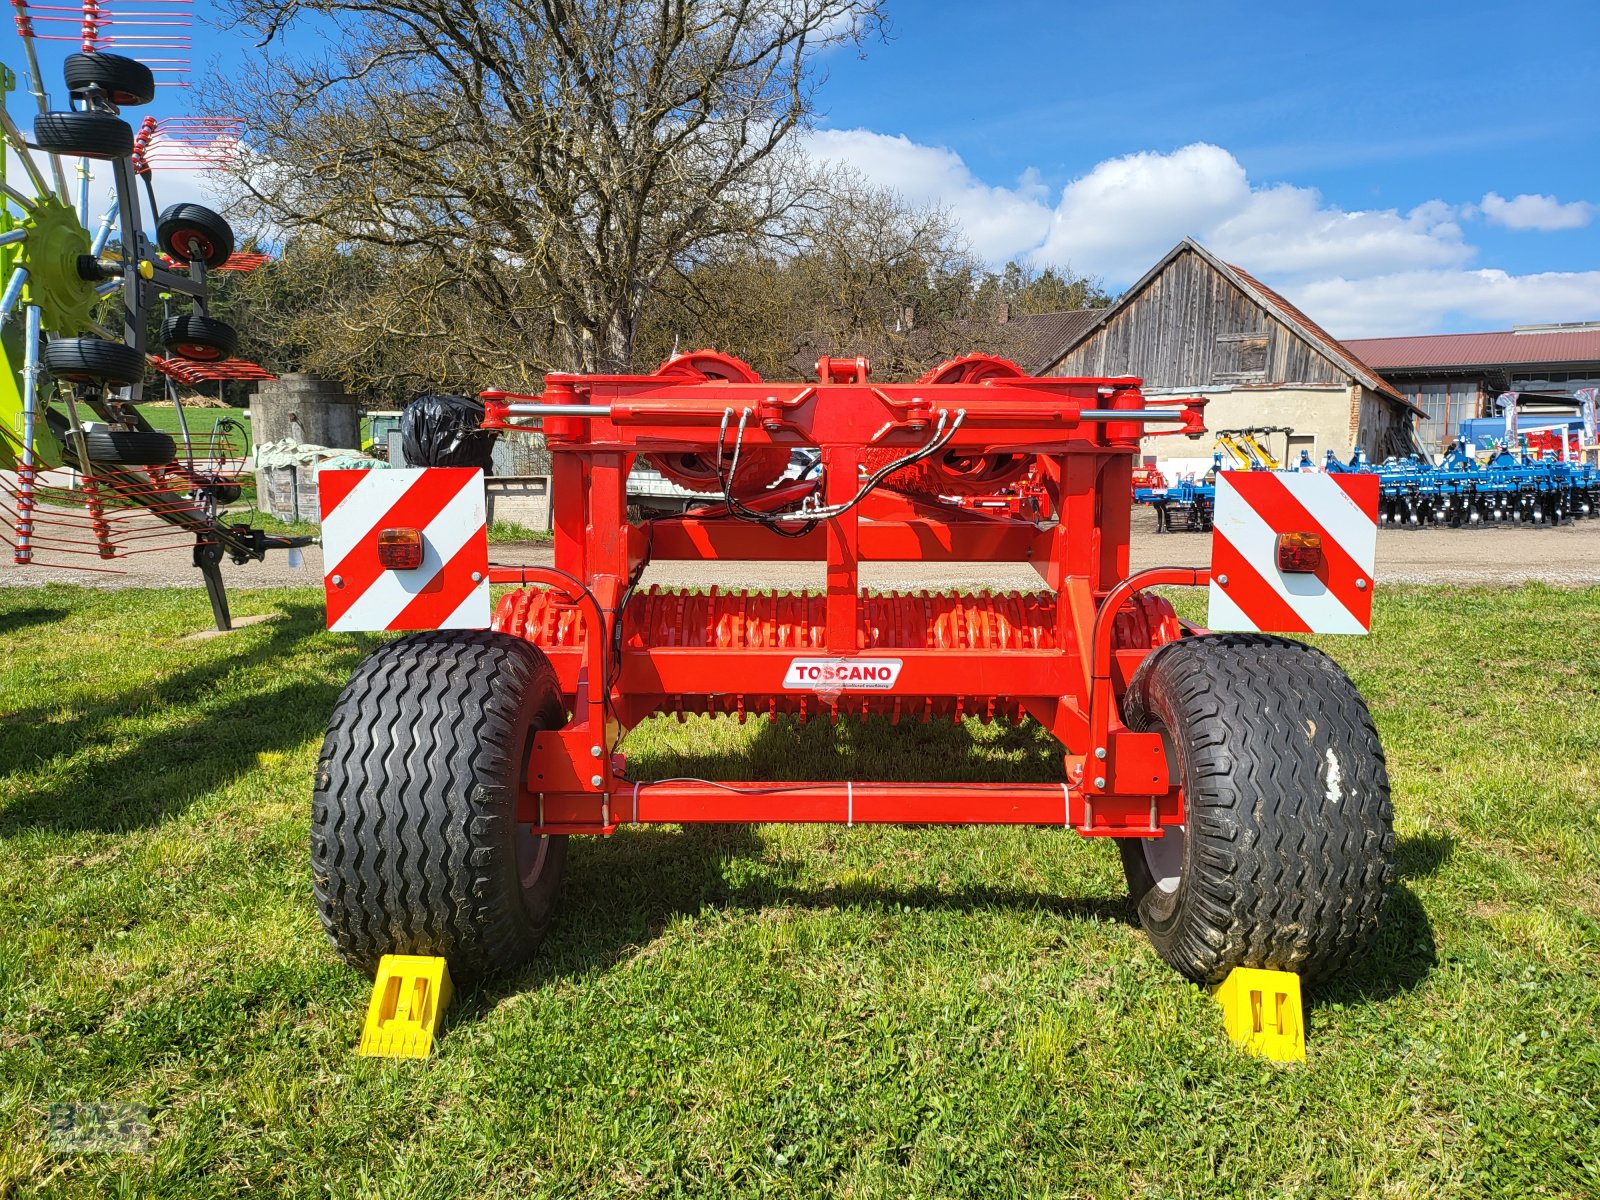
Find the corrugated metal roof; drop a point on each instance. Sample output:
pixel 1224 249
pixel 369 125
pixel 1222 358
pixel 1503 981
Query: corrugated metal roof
pixel 1497 349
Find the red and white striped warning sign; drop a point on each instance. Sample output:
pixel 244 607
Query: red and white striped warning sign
pixel 1249 591
pixel 449 590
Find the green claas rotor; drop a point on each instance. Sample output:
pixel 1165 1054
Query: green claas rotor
pixel 53 254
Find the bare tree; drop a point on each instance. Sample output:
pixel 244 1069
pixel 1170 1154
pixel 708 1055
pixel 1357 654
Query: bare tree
pixel 858 270
pixel 544 161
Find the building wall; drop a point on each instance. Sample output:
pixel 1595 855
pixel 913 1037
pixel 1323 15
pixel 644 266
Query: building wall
pixel 1447 402
pixel 1450 397
pixel 1192 327
pixel 1385 428
pixel 1535 377
pixel 304 408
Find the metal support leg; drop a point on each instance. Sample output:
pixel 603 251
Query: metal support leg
pixel 208 557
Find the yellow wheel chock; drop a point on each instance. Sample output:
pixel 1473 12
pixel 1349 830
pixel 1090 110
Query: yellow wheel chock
pixel 1261 1012
pixel 409 997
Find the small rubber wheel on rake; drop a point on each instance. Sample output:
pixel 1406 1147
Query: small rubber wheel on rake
pixel 199 338
pixel 93 360
pixel 129 447
pixel 84 134
pixel 1286 854
pixel 192 231
pixel 125 82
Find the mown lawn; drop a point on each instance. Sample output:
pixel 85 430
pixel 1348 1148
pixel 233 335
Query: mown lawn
pixel 164 417
pixel 780 1011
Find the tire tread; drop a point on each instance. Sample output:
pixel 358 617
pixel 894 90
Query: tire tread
pixel 1280 874
pixel 413 810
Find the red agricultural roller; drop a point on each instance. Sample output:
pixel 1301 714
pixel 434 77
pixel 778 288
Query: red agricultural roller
pixel 1239 771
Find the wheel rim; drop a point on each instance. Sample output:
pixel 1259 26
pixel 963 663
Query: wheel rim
pixel 1163 858
pixel 201 245
pixel 532 853
pixel 198 352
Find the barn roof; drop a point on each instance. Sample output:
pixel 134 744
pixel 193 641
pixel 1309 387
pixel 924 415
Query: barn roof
pixel 1326 344
pixel 1040 337
pixel 1496 349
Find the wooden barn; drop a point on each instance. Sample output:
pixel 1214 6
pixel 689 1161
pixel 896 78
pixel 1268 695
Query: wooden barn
pixel 1197 326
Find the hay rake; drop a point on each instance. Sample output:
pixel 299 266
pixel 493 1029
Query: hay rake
pixel 84 478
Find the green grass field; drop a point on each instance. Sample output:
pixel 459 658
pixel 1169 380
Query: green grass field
pixel 164 417
pixel 873 1012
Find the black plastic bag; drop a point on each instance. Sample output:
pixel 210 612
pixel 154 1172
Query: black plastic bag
pixel 446 431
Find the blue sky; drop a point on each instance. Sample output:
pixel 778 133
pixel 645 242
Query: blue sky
pixel 1342 151
pixel 1393 168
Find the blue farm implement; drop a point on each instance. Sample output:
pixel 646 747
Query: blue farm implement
pixel 1513 487
pixel 1185 505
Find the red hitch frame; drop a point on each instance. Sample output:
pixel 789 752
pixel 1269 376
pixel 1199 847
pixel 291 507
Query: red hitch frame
pixel 1062 655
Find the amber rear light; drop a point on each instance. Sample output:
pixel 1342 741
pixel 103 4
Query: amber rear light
pixel 401 549
pixel 1300 553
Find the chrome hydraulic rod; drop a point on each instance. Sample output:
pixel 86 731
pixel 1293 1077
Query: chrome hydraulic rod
pixel 1164 415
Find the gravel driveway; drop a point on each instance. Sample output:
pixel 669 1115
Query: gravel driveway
pixel 1567 556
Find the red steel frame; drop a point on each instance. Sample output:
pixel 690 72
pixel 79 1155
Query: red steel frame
pixel 1086 432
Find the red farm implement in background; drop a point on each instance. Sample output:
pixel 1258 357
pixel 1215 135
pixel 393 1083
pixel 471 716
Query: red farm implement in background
pixel 1239 771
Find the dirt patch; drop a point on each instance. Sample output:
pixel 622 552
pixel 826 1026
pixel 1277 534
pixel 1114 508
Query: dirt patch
pixel 205 635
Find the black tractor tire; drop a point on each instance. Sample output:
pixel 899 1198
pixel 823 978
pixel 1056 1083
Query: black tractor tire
pixel 178 224
pixel 1286 856
pixel 93 360
pixel 83 134
pixel 134 448
pixel 199 338
pixel 125 82
pixel 415 845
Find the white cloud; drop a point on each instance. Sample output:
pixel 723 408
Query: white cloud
pixel 1421 301
pixel 997 220
pixel 1357 272
pixel 1287 230
pixel 1533 211
pixel 1120 217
